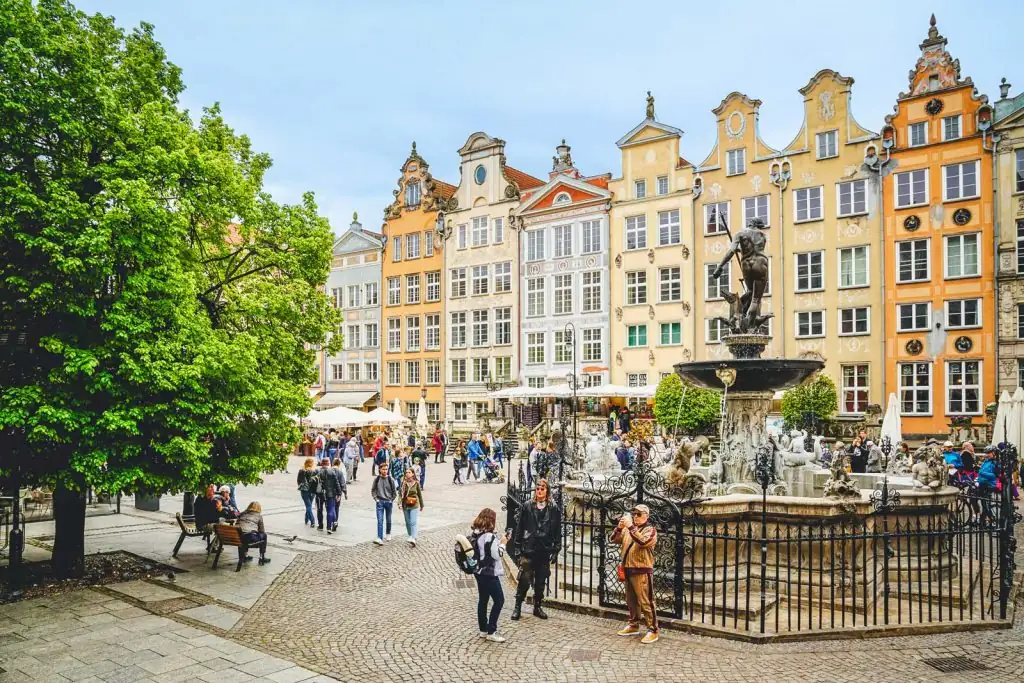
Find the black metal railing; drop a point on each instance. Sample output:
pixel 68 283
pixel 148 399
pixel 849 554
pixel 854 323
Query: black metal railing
pixel 766 574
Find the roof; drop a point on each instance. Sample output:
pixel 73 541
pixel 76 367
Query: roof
pixel 525 181
pixel 348 399
pixel 444 189
pixel 683 163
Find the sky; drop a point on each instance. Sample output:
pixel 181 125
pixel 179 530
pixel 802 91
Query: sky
pixel 337 90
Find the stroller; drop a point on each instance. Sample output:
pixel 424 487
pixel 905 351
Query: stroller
pixel 492 470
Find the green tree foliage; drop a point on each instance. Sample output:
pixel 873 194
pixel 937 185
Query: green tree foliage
pixel 699 407
pixel 810 405
pixel 160 306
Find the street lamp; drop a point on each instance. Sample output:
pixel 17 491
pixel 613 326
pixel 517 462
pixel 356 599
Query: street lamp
pixel 569 339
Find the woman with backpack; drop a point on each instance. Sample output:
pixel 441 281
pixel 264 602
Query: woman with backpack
pixel 458 462
pixel 306 475
pixel 412 503
pixel 488 548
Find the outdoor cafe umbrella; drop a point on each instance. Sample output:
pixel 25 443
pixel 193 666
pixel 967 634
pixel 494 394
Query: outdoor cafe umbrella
pixel 1002 414
pixel 1013 420
pixel 422 423
pixel 383 416
pixel 339 416
pixel 892 422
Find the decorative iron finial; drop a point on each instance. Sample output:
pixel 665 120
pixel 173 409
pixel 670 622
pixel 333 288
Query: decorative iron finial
pixel 355 216
pixel 650 105
pixel 1004 89
pixel 414 142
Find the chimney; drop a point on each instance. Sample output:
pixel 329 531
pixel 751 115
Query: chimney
pixel 1004 89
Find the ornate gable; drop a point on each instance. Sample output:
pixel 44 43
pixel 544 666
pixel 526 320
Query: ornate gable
pixel 935 69
pixel 649 129
pixel 432 194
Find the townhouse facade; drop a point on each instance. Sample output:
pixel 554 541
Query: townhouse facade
pixel 652 279
pixel 1009 215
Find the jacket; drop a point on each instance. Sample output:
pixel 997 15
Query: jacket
pixel 249 522
pixel 411 490
pixel 637 547
pixel 476 450
pixel 205 511
pixel 539 532
pixel 303 477
pixel 497 550
pixel 351 453
pixel 331 485
pixel 987 474
pixel 437 443
pixel 383 488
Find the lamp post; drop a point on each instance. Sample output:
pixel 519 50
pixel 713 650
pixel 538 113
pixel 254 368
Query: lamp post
pixel 569 339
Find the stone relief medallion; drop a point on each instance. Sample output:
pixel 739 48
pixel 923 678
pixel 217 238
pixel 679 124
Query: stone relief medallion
pixel 826 107
pixel 591 262
pixel 755 183
pixel 855 345
pixel 963 344
pixel 686 308
pixel 562 265
pixel 618 260
pixel 687 355
pixel 914 347
pixel 807 177
pixel 535 269
pixel 685 252
pixel 851 230
pixel 810 235
pixel 911 223
pixel 1006 304
pixel 1008 366
pixel 1006 262
pixel 717 247
pixel 1020 206
pixel 807 345
pixel 618 312
pixel 650 357
pixel 618 357
pixel 811 300
pixel 735 124
pixel 650 255
pixel 650 311
pixel 962 216
pixel 934 106
pixel 716 191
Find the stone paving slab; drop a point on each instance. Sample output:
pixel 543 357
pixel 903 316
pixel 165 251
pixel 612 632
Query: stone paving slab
pixel 214 615
pixel 144 591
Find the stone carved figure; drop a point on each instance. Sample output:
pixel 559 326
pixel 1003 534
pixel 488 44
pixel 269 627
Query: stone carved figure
pixel 840 484
pixel 898 462
pixel 600 456
pixel 819 454
pixel 874 464
pixel 679 469
pixel 796 443
pixel 749 244
pixel 930 470
pixel 650 105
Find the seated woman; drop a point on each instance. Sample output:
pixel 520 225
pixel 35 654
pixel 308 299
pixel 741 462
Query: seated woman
pixel 226 509
pixel 250 524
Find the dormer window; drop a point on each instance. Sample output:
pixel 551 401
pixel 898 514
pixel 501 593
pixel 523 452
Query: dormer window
pixel 736 161
pixel 412 193
pixel 639 189
pixel 562 198
pixel 933 82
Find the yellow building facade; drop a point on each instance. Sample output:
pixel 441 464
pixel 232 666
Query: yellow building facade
pixel 819 199
pixel 651 237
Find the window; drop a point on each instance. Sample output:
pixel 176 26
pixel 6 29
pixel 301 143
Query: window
pixel 434 286
pixel 592 345
pixel 371 294
pixel 563 350
pixel 412 289
pixel 562 198
pixel 480 232
pixel 370 371
pixel 394 372
pixel 854 389
pixel 662 185
pixel 563 240
pixel 671 334
pixel 428 243
pixel 716 218
pixel 480 370
pixel 353 372
pixel 458 366
pixel 396 248
pixel 481 275
pixel 412 410
pixel 499 230
pixel 534 245
pixel 462 236
pixel 827 144
pixel 637 379
pixel 503 368
pixel 915 388
pixel 913 317
pixel 352 337
pixel 591 236
pixel 756 207
pixel 412 333
pixel 535 297
pixel 636 232
pixel 668 228
pixel 432 321
pixel 394 291
pixel 736 161
pixel 854 321
pixel 912 258
pixel 670 286
pixel 963 387
pixel 336 297
pixel 962 255
pixel 714 328
pixel 412 372
pixel 372 339
pixel 1020 247
pixel 636 335
pixel 951 127
pixel 412 193
pixel 481 327
pixel 1019 164
pixel 918 134
pixel 636 287
pixel 461 410
pixel 639 189
pixel 337 372
pixel 714 287
pixel 963 313
pixel 458 282
pixel 458 330
pixel 433 371
pixel 502 326
pixel 591 291
pixel 412 245
pixel 960 181
pixel 1020 321
pixel 853 267
pixel 853 197
pixel 503 277
pixel 592 379
pixel 911 188
pixel 355 296
pixel 563 294
pixel 808 204
pixel 394 334
pixel 434 409
pixel 810 324
pixel 810 275
pixel 535 348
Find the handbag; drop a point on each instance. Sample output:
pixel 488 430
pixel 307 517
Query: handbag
pixel 620 570
pixel 410 501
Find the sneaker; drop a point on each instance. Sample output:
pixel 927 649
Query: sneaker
pixel 330 531
pixel 412 542
pixel 483 634
pixel 630 631
pixel 387 537
pixel 378 541
pixel 495 638
pixel 651 637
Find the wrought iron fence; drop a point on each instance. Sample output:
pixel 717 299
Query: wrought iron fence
pixel 764 574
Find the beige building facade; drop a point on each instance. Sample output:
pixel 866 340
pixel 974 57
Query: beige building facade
pixel 1009 176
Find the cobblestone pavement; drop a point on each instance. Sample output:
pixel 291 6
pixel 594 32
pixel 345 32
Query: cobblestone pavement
pixel 394 613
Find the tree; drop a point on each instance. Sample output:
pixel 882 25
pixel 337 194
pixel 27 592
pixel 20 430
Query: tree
pixel 811 405
pixel 162 304
pixel 678 405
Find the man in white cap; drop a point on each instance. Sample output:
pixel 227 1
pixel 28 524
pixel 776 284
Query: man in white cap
pixel 638 539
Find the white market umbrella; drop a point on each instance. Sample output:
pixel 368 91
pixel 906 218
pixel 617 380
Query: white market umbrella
pixel 339 416
pixel 396 407
pixel 1002 413
pixel 422 423
pixel 383 416
pixel 1013 418
pixel 892 422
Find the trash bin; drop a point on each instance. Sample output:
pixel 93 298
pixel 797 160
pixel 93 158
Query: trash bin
pixel 147 502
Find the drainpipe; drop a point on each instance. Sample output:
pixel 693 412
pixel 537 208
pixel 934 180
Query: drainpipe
pixel 779 174
pixel 697 189
pixel 995 230
pixel 876 165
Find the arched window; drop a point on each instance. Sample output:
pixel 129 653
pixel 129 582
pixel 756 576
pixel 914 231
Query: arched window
pixel 412 193
pixel 562 198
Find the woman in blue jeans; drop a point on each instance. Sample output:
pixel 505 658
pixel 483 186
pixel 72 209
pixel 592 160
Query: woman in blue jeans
pixel 307 474
pixel 488 548
pixel 411 498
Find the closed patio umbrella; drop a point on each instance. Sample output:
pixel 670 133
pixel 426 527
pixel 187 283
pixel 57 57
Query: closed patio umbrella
pixel 892 422
pixel 1002 413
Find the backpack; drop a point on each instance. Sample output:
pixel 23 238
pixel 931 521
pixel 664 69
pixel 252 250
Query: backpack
pixel 465 555
pixel 315 485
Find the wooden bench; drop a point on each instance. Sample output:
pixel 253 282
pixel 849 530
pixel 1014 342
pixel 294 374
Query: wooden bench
pixel 189 530
pixel 228 534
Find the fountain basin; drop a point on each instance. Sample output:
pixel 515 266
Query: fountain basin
pixel 752 374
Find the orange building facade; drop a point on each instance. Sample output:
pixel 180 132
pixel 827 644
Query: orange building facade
pixel 939 258
pixel 412 300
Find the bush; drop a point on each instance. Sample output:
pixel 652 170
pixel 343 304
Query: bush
pixel 811 405
pixel 699 409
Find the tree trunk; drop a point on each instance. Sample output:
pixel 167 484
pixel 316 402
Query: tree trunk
pixel 69 535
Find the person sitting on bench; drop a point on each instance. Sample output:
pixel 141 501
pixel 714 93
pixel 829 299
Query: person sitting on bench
pixel 250 525
pixel 205 510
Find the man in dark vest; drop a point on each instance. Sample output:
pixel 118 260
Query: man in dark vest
pixel 538 535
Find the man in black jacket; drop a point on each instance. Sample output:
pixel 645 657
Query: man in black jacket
pixel 330 489
pixel 205 509
pixel 538 535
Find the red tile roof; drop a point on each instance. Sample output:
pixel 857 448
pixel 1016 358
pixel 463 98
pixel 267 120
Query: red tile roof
pixel 598 180
pixel 525 181
pixel 683 163
pixel 446 190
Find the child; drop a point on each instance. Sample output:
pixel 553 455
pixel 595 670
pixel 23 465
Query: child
pixel 458 462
